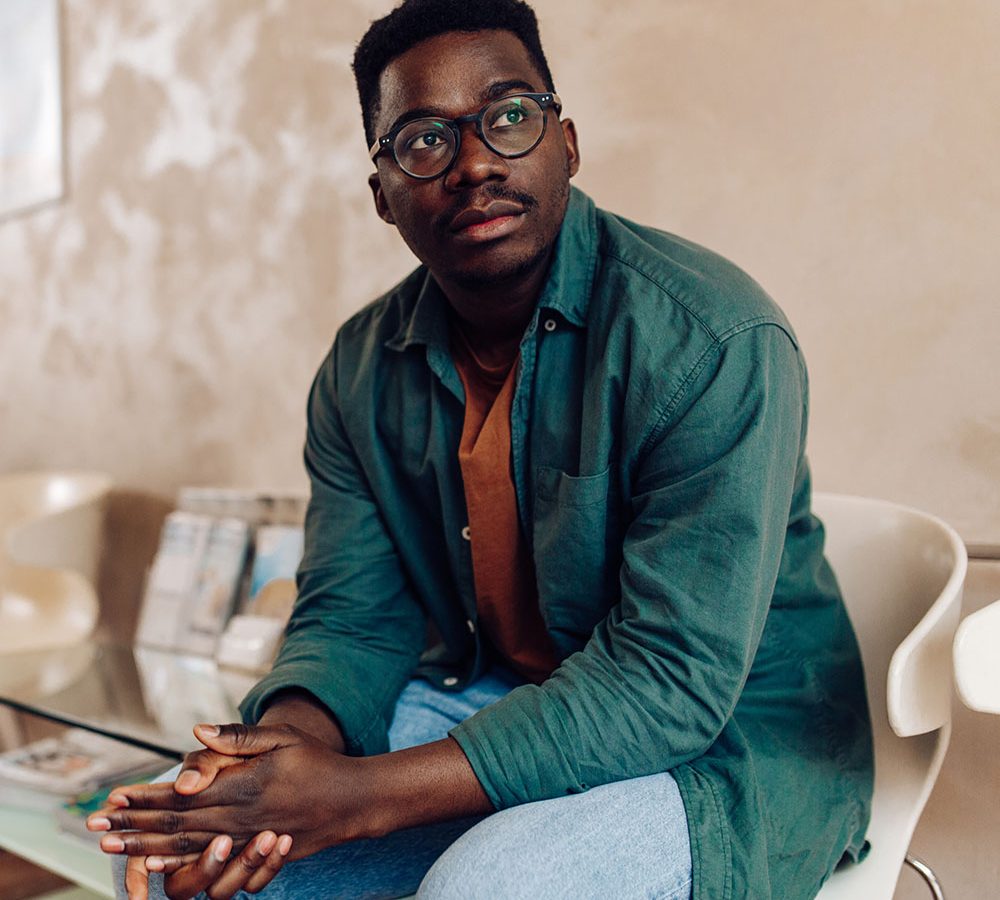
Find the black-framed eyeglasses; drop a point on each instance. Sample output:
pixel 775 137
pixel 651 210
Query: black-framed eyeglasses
pixel 511 126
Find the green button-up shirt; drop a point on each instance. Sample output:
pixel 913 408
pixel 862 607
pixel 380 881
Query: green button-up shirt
pixel 658 432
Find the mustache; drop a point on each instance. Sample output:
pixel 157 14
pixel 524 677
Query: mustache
pixel 488 191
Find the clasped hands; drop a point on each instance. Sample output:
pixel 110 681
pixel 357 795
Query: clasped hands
pixel 254 798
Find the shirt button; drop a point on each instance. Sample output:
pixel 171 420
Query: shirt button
pixel 472 626
pixel 450 681
pixel 550 325
pixel 467 533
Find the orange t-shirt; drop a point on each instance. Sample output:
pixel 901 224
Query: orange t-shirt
pixel 504 576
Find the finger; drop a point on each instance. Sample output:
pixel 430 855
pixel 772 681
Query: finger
pixel 119 795
pixel 245 740
pixel 271 866
pixel 195 877
pixel 139 843
pixel 253 861
pixel 136 879
pixel 160 795
pixel 163 821
pixel 200 768
pixel 167 865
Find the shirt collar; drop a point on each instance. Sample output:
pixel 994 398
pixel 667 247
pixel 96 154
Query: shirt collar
pixel 427 322
pixel 566 291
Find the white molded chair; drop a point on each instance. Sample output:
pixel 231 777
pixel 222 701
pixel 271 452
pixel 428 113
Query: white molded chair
pixel 901 572
pixel 51 527
pixel 977 660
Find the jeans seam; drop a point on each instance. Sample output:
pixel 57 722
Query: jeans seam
pixel 677 893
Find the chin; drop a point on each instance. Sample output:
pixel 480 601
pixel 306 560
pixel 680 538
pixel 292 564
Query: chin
pixel 486 273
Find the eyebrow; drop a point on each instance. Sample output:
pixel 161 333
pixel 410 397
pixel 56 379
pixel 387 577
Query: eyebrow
pixel 494 91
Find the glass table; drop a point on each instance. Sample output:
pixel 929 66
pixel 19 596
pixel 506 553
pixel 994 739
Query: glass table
pixel 145 697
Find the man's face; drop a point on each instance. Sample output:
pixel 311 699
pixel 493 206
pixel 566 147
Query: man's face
pixel 523 200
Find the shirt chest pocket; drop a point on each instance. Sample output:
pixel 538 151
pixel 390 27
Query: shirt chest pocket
pixel 576 553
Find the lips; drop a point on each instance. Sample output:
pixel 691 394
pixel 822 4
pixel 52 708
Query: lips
pixel 477 215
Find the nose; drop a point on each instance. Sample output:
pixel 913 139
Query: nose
pixel 475 163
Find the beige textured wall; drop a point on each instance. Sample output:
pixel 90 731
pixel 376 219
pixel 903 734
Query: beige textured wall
pixel 163 323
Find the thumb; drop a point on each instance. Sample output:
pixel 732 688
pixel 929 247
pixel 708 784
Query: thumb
pixel 136 878
pixel 244 740
pixel 228 745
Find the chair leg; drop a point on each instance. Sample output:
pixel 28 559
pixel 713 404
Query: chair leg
pixel 927 873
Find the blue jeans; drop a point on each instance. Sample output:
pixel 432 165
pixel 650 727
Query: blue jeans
pixel 622 840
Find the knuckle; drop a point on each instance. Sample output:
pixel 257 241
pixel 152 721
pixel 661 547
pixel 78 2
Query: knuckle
pixel 238 732
pixel 171 822
pixel 192 760
pixel 185 802
pixel 250 790
pixel 183 844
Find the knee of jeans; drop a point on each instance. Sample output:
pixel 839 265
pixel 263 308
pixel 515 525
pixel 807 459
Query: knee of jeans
pixel 452 876
pixel 490 860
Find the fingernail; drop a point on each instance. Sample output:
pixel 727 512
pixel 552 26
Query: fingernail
pixel 222 847
pixel 265 843
pixel 98 823
pixel 112 844
pixel 208 730
pixel 154 863
pixel 284 844
pixel 118 799
pixel 187 780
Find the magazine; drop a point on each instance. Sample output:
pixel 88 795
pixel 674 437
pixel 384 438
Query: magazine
pixel 194 583
pixel 172 579
pixel 46 772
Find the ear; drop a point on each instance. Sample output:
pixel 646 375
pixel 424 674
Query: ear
pixel 381 207
pixel 572 147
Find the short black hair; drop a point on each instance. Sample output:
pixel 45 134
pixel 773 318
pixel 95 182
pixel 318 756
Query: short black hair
pixel 416 20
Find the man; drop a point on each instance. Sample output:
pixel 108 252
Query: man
pixel 574 446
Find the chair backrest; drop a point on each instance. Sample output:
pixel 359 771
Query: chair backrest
pixel 901 572
pixel 53 520
pixel 51 530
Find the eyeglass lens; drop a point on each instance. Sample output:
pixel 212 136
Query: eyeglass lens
pixel 511 127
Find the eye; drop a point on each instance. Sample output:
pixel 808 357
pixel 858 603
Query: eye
pixel 510 114
pixel 423 136
pixel 426 140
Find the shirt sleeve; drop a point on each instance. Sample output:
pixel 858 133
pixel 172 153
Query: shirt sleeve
pixel 357 630
pixel 661 674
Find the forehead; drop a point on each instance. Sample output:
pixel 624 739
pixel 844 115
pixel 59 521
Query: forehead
pixel 451 72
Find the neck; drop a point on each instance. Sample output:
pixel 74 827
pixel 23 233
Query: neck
pixel 494 315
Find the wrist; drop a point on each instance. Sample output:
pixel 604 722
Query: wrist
pixel 299 708
pixel 372 817
pixel 421 785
